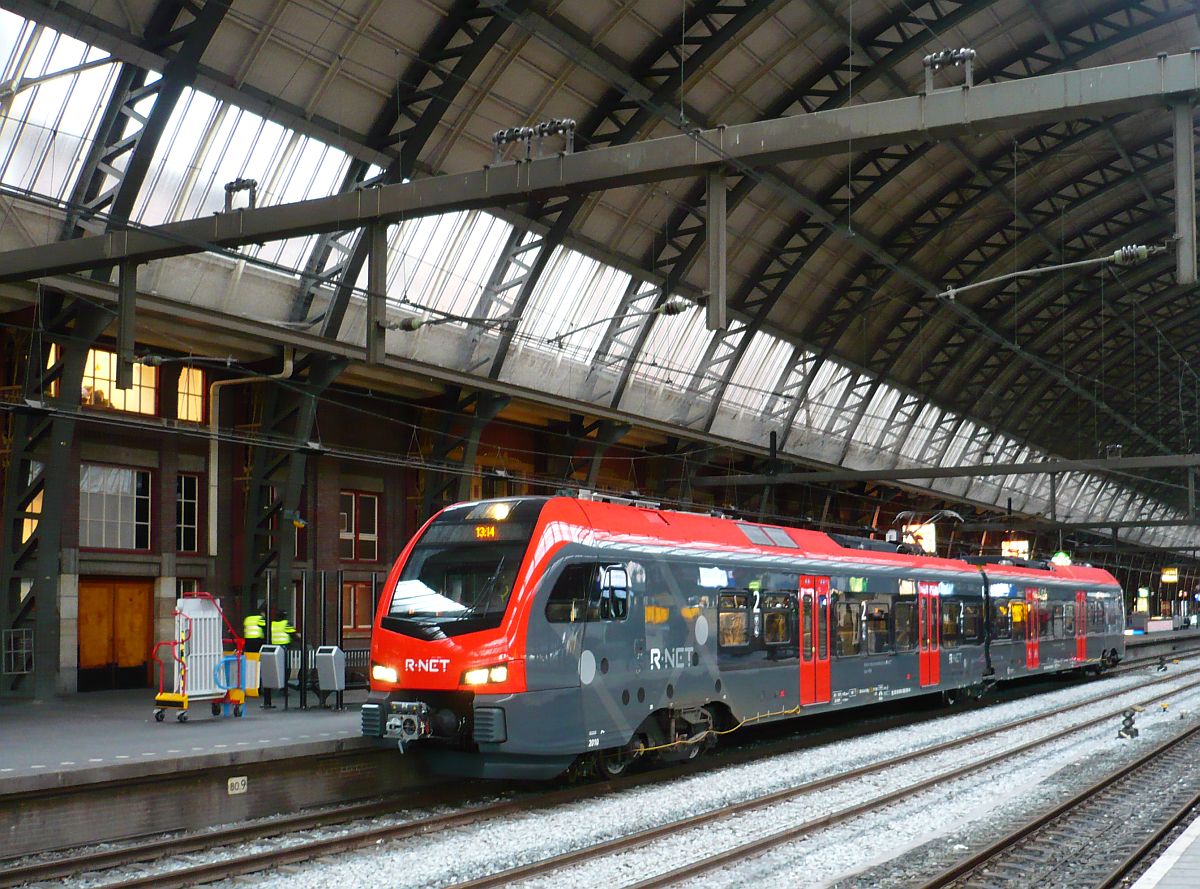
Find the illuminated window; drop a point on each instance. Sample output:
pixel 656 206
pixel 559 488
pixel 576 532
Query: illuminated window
pixel 187 513
pixel 358 535
pixel 114 507
pixel 29 525
pixel 190 402
pixel 100 385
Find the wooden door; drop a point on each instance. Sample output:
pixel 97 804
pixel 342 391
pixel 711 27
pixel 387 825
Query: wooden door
pixel 116 621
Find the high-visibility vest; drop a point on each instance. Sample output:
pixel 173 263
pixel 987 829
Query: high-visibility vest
pixel 281 632
pixel 254 626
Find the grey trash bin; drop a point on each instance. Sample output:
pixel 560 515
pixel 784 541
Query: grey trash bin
pixel 331 668
pixel 271 666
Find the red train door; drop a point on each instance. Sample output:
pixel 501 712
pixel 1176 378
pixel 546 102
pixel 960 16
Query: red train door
pixel 1080 626
pixel 929 619
pixel 1032 656
pixel 814 640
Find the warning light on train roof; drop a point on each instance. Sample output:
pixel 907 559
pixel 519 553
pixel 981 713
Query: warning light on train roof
pixel 495 512
pixel 1061 559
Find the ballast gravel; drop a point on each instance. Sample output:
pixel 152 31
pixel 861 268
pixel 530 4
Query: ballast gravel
pixel 931 815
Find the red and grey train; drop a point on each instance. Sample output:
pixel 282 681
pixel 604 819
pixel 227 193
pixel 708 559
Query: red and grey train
pixel 527 636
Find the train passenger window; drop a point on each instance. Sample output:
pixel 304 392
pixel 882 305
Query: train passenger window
pixel 847 618
pixel 1056 632
pixel 1045 618
pixel 1001 620
pixel 1069 620
pixel 1095 616
pixel 777 610
pixel 906 626
pixel 568 600
pixel 972 623
pixel 1019 611
pixel 951 615
pixel 733 619
pixel 877 627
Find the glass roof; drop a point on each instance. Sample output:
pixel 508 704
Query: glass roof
pixel 46 130
pixel 442 264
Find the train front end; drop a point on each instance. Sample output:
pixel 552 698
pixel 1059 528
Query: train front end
pixel 448 635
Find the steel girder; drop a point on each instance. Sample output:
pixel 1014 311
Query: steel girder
pixel 40 464
pixel 834 320
pixel 446 63
pixel 599 435
pixel 1099 183
pixel 893 40
pixel 278 464
pixel 618 119
pixel 464 417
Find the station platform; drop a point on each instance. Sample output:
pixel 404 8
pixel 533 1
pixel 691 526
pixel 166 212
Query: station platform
pixel 100 736
pixel 1178 867
pixel 97 767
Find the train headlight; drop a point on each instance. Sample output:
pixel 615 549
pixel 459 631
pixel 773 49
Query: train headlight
pixel 382 673
pixel 484 675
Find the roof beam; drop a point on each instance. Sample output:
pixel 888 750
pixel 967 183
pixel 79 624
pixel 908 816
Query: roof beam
pixel 941 114
pixel 1113 464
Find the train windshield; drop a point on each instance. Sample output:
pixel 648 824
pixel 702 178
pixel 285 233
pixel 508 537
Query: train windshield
pixel 459 577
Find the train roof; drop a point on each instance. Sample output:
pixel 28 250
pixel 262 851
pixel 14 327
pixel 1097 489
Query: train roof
pixel 647 521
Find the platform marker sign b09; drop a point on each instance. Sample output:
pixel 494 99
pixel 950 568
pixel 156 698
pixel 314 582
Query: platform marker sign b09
pixel 238 785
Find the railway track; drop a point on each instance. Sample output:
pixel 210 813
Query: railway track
pixel 14 873
pixel 1073 843
pixel 717 861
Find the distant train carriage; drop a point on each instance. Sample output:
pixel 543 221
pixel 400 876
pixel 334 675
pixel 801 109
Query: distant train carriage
pixel 522 637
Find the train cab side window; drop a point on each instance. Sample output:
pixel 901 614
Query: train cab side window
pixel 877 628
pixel 906 626
pixel 568 602
pixel 951 614
pixel 733 619
pixel 1095 617
pixel 847 617
pixel 614 593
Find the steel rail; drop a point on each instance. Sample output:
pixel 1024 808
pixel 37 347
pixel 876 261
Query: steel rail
pixel 1124 869
pixel 974 862
pixel 625 843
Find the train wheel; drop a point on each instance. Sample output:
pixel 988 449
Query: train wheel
pixel 612 763
pixel 951 697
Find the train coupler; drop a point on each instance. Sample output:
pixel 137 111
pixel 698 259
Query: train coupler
pixel 407 721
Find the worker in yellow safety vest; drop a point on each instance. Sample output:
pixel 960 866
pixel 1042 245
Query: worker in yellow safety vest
pixel 281 630
pixel 254 627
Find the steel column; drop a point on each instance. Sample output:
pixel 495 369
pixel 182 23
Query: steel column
pixel 715 318
pixel 1185 193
